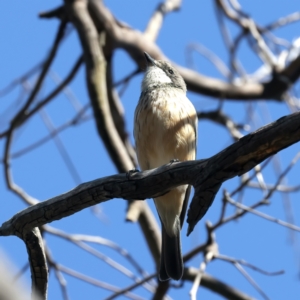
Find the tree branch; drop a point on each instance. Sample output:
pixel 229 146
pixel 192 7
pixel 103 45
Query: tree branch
pixel 97 86
pixel 59 36
pixel 155 23
pixel 216 285
pixel 96 82
pixel 135 43
pixel 238 159
pixel 37 260
pixel 205 175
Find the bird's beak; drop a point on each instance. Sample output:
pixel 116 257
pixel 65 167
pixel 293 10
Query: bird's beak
pixel 150 60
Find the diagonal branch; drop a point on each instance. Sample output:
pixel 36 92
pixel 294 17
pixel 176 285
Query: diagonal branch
pixel 46 66
pixel 239 158
pixel 205 175
pixel 215 285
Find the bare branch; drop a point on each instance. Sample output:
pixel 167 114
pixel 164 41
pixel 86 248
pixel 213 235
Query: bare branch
pixel 61 148
pixel 156 20
pixel 37 261
pixel 248 24
pixel 95 282
pixel 206 176
pixel 131 287
pixel 294 17
pixel 135 43
pixel 97 85
pixel 127 78
pixel 96 82
pixel 76 120
pixel 161 291
pixel 20 79
pixel 46 66
pixel 245 263
pixel 209 255
pixel 216 285
pixel 262 215
pixel 239 159
pixel 21 272
pixel 219 117
pixel 77 238
pixel 116 107
pixel 57 90
pixel 58 274
pixel 11 185
pixel 58 12
pixel 251 280
pixel 212 57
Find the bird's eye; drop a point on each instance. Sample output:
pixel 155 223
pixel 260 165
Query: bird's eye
pixel 171 71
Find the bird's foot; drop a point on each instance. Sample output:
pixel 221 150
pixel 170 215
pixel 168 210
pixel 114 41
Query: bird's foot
pixel 131 172
pixel 174 160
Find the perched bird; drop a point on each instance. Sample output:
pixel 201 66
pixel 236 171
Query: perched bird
pixel 165 129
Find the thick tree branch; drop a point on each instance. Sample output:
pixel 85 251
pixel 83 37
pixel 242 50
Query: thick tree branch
pixel 96 82
pixel 205 175
pixel 115 104
pixel 37 260
pixel 239 158
pixel 97 86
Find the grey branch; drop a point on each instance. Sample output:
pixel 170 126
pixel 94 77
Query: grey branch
pixel 239 158
pixel 37 260
pixel 215 285
pixel 205 175
pixel 135 43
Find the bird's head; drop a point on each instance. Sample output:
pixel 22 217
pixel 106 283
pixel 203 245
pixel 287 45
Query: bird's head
pixel 161 74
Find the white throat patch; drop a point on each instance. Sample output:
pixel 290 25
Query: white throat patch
pixel 155 75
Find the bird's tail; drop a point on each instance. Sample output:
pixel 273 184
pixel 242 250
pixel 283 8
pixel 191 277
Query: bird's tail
pixel 171 263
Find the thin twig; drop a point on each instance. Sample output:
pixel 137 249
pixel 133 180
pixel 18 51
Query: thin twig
pixel 96 282
pixel 131 287
pixel 212 57
pixel 245 263
pixel 251 280
pixel 78 119
pixel 61 148
pixel 97 240
pixel 262 215
pixel 58 89
pixel 20 79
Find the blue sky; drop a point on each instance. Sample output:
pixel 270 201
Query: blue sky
pixel 42 173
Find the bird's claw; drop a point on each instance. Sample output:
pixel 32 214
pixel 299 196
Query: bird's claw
pixel 174 160
pixel 130 172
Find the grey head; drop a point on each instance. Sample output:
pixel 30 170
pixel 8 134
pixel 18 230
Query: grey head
pixel 161 74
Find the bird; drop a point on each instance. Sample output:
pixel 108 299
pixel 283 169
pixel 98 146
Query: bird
pixel 165 130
